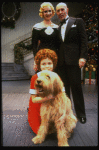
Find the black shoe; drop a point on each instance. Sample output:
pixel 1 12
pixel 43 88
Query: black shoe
pixel 82 119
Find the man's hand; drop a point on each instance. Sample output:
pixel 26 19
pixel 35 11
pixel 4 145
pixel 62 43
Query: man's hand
pixel 82 62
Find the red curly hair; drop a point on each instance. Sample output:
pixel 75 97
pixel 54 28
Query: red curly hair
pixel 43 54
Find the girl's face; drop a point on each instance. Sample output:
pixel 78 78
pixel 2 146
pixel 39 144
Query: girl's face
pixel 46 64
pixel 47 13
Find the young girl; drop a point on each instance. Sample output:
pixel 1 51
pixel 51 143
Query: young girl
pixel 45 59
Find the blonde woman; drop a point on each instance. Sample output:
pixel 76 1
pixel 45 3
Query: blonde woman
pixel 45 33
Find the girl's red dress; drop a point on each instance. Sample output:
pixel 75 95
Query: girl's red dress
pixel 34 118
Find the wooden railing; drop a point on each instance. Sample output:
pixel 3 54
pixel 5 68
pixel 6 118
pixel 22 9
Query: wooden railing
pixel 21 49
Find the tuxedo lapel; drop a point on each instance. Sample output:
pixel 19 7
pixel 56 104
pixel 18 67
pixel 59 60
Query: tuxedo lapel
pixel 70 23
pixel 60 31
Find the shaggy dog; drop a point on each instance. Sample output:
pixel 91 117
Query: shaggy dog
pixel 49 83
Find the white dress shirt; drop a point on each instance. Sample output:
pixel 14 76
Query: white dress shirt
pixel 63 28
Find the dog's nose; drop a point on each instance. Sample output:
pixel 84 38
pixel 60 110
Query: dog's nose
pixel 39 81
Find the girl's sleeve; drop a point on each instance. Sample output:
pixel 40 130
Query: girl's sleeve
pixel 32 88
pixel 34 117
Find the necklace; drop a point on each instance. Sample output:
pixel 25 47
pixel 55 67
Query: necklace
pixel 47 24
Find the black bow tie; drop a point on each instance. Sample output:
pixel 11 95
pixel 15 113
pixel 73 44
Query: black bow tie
pixel 64 21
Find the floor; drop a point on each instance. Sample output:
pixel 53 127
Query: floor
pixel 15 127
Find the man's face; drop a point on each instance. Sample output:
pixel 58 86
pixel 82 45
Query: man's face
pixel 62 12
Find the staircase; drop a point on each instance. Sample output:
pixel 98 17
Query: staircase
pixel 22 68
pixel 12 71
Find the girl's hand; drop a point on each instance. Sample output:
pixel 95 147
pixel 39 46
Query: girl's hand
pixel 50 97
pixel 36 99
pixel 41 100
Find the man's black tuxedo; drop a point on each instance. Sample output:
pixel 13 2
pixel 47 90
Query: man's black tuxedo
pixel 75 42
pixel 71 50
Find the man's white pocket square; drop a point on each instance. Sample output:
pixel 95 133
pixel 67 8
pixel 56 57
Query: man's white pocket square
pixel 74 25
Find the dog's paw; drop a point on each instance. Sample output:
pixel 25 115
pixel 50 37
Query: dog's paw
pixel 37 140
pixel 68 135
pixel 66 144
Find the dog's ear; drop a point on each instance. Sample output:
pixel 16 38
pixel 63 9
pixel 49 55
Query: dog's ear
pixel 57 86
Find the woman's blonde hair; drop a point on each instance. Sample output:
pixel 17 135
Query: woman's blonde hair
pixel 46 4
pixel 46 53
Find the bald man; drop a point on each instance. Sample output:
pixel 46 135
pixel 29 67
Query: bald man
pixel 72 56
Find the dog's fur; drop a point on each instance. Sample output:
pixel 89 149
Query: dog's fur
pixel 46 84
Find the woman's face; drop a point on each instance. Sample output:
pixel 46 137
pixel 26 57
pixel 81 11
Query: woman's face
pixel 47 13
pixel 46 64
